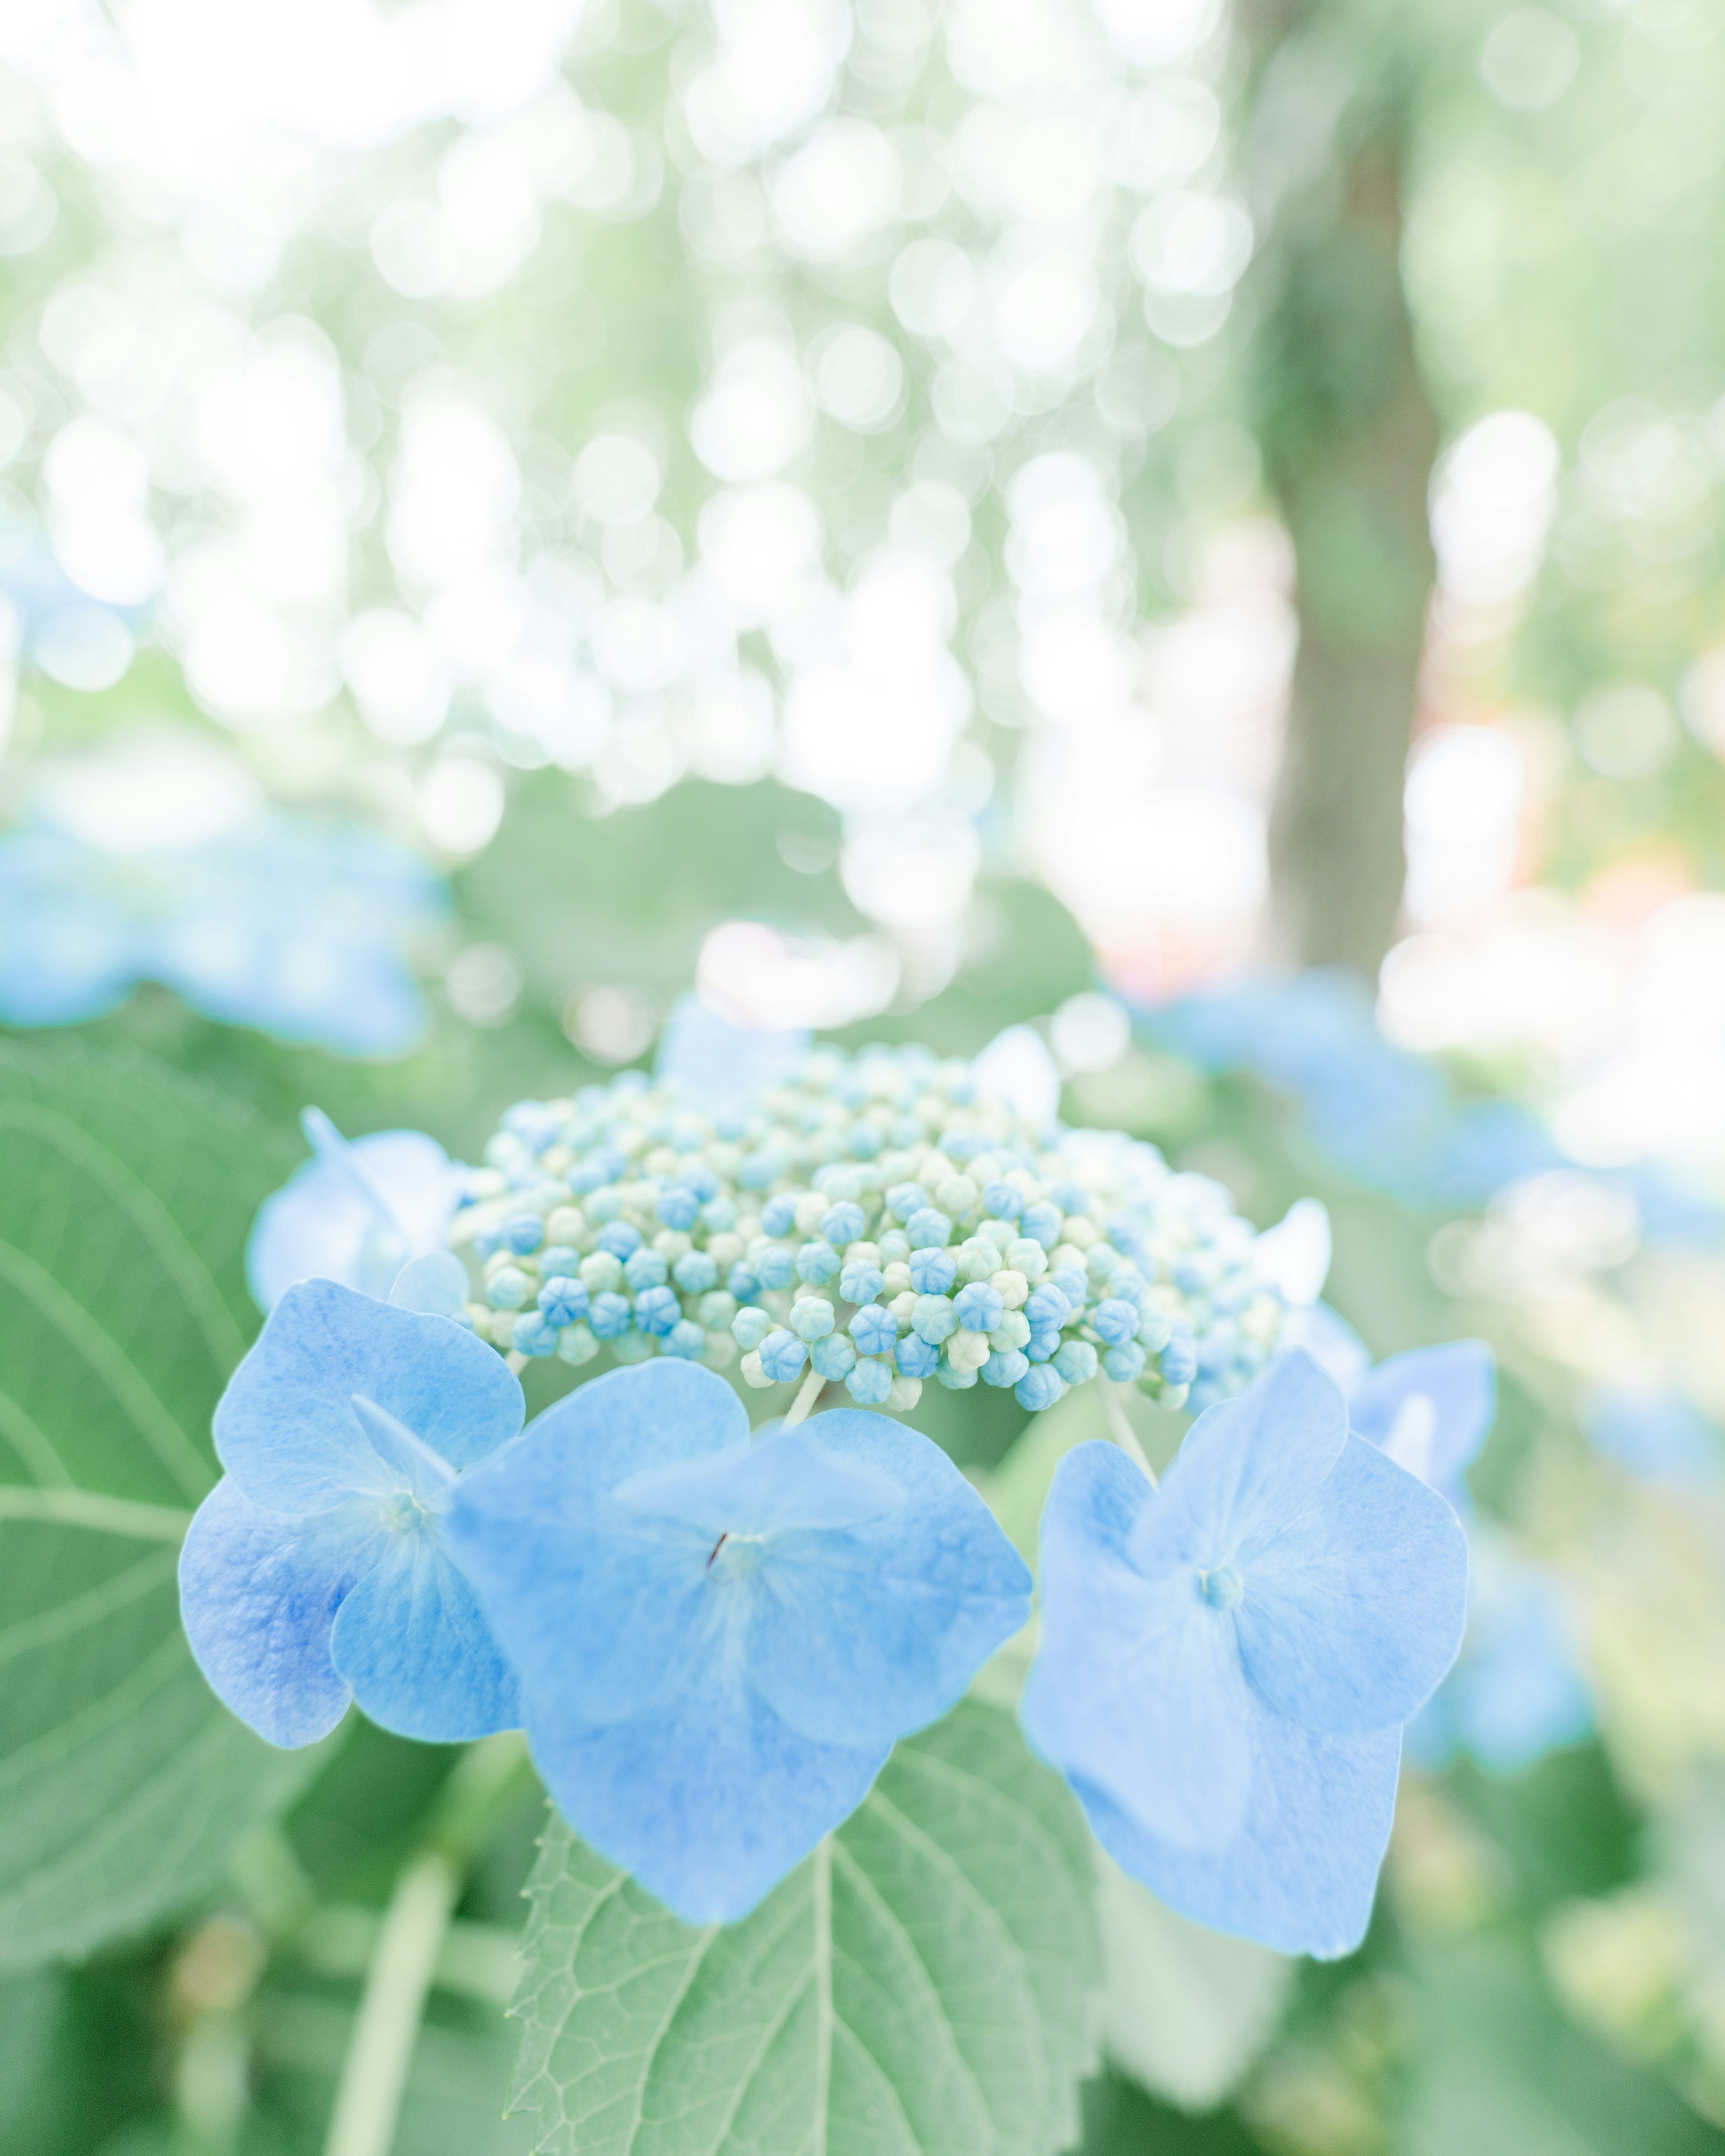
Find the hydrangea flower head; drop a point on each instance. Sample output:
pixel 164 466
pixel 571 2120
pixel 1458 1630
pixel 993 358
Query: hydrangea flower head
pixel 317 1570
pixel 1226 1662
pixel 356 1213
pixel 856 1217
pixel 296 926
pixel 720 1636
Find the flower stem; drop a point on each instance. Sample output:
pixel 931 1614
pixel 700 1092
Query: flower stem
pixel 490 1779
pixel 1125 1436
pixel 804 1404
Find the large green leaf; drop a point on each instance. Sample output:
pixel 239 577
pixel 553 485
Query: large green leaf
pixel 125 1195
pixel 920 1985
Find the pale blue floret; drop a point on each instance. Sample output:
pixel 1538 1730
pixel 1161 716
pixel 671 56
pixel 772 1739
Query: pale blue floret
pixel 678 1209
pixel 933 1318
pixel 1076 1362
pixel 817 1263
pixel 750 1327
pixel 657 1310
pixel 508 1288
pixel 355 1212
pixel 861 1282
pixel 609 1317
pixel 644 1268
pixel 869 1382
pixel 775 1267
pixel 687 1338
pixel 979 1308
pixel 317 1570
pixel 842 1224
pixel 1047 1306
pixel 917 1359
pixel 782 1355
pixel 1003 1201
pixel 1005 1367
pixel 1116 1322
pixel 533 1334
pixel 759 1619
pixel 928 1229
pixel 695 1273
pixel 812 1317
pixel 874 1330
pixel 1039 1387
pixel 1226 1664
pixel 522 1232
pixel 905 1199
pixel 1124 1365
pixel 932 1271
pixel 618 1239
pixel 834 1357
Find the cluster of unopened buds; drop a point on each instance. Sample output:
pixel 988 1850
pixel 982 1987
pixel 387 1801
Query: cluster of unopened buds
pixel 877 1221
pixel 713 1635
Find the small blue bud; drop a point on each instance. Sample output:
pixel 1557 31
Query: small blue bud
pixel 775 1267
pixel 834 1357
pixel 700 1179
pixel 609 1317
pixel 694 1272
pixel 932 1271
pixel 874 1330
pixel 812 1317
pixel 917 1357
pixel 656 1311
pixel 1006 1366
pixel 778 1215
pixel 646 1268
pixel 928 1229
pixel 1072 1284
pixel 861 1282
pixel 533 1335
pixel 508 1288
pixel 744 1283
pixel 865 1140
pixel 816 1262
pixel 842 1224
pixel 523 1233
pixel 1127 1283
pixel 869 1382
pixel 1190 1277
pixel 905 1199
pixel 1047 1305
pixel 979 1308
pixel 1116 1322
pixel 560 1258
pixel 750 1327
pixel 1039 1387
pixel 1155 1328
pixel 619 1238
pixel 1125 1363
pixel 1178 1361
pixel 563 1300
pixel 678 1209
pixel 894 1246
pixel 685 1339
pixel 1041 1224
pixel 718 1216
pixel 1003 1201
pixel 782 1355
pixel 1076 1362
pixel 1069 1197
pixel 955 1381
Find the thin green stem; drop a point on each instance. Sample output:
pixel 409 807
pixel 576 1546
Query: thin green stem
pixel 1125 1436
pixel 88 1508
pixel 803 1404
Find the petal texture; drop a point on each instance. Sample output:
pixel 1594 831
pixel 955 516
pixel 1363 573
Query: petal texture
pixel 411 1641
pixel 1430 1410
pixel 285 1428
pixel 259 1594
pixel 354 1213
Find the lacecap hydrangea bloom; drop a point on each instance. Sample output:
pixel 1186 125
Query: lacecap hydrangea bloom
pixel 720 1636
pixel 289 924
pixel 1226 1663
pixel 876 1220
pixel 316 1571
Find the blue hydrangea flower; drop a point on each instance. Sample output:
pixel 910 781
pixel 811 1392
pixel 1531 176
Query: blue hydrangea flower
pixel 1428 1410
pixel 316 1571
pixel 296 928
pixel 707 1059
pixel 1226 1663
pixel 355 1212
pixel 1519 1690
pixel 720 1636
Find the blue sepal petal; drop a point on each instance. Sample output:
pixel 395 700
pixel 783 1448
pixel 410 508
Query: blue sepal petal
pixel 412 1641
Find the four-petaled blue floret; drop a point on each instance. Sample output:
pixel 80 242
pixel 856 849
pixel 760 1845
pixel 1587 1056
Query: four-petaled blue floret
pixel 1226 1663
pixel 758 1619
pixel 317 1570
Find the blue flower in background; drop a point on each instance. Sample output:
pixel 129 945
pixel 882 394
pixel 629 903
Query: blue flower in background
pixel 1226 1663
pixel 720 1637
pixel 315 1570
pixel 355 1212
pixel 1519 1690
pixel 293 925
pixel 712 1061
pixel 1655 1432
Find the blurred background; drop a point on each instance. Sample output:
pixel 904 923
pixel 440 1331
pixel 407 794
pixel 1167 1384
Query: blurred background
pixel 1197 528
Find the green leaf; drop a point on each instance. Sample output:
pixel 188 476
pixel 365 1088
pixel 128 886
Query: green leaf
pixel 125 1197
pixel 921 1984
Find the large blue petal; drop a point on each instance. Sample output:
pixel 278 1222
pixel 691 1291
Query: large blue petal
pixel 710 1798
pixel 1246 1465
pixel 259 1594
pixel 709 1060
pixel 867 1631
pixel 787 1479
pixel 412 1641
pixel 588 1597
pixel 355 1212
pixel 285 1428
pixel 1429 1409
pixel 1354 1606
pixel 1136 1686
pixel 1301 1872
